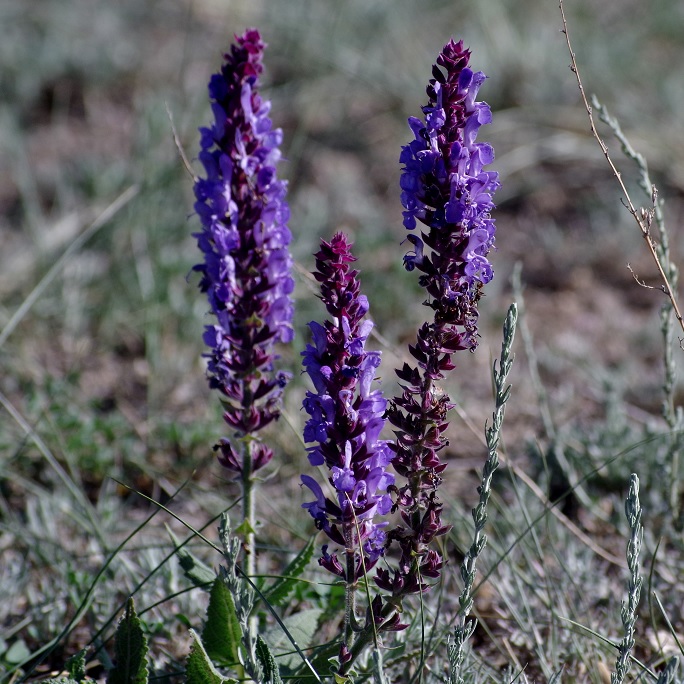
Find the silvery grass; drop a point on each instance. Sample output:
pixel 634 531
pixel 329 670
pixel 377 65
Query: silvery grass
pixel 229 641
pixel 465 626
pixel 629 607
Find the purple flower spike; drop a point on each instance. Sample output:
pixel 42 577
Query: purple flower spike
pixel 246 272
pixel 444 188
pixel 346 416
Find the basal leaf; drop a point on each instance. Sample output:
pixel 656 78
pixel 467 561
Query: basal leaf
pixel 281 588
pixel 302 628
pixel 199 668
pixel 271 672
pixel 18 652
pixel 222 633
pixel 130 650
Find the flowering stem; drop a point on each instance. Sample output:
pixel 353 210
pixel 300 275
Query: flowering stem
pixel 350 587
pixel 248 509
pixel 246 269
pixel 445 189
pixel 367 636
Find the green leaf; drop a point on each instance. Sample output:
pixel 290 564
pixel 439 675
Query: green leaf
pixel 302 627
pixel 222 633
pixel 76 665
pixel 18 652
pixel 199 573
pixel 271 672
pixel 130 650
pixel 281 588
pixel 244 529
pixel 199 668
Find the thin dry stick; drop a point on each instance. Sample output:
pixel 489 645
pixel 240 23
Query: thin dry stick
pixel 643 217
pixel 179 146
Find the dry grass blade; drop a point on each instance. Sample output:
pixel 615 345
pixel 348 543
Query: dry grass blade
pixel 119 203
pixel 179 146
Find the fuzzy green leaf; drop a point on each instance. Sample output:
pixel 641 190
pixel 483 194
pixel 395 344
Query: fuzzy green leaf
pixel 222 633
pixel 199 573
pixel 199 668
pixel 76 665
pixel 271 672
pixel 302 627
pixel 378 669
pixel 130 650
pixel 281 588
pixel 18 652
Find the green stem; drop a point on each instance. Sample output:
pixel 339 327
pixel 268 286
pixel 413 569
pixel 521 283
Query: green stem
pixel 366 637
pixel 248 509
pixel 350 586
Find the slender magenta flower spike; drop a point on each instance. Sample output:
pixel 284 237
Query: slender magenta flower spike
pixel 447 198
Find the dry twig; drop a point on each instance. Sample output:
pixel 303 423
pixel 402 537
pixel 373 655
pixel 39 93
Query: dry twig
pixel 643 217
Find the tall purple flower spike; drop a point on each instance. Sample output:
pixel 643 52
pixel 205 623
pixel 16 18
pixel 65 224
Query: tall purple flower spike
pixel 246 272
pixel 346 416
pixel 446 189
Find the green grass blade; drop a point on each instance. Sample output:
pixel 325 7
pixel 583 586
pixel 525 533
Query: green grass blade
pixel 109 212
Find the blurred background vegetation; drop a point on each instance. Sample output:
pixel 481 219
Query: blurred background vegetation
pixel 101 369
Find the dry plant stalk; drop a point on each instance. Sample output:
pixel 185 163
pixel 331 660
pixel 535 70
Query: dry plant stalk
pixel 643 217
